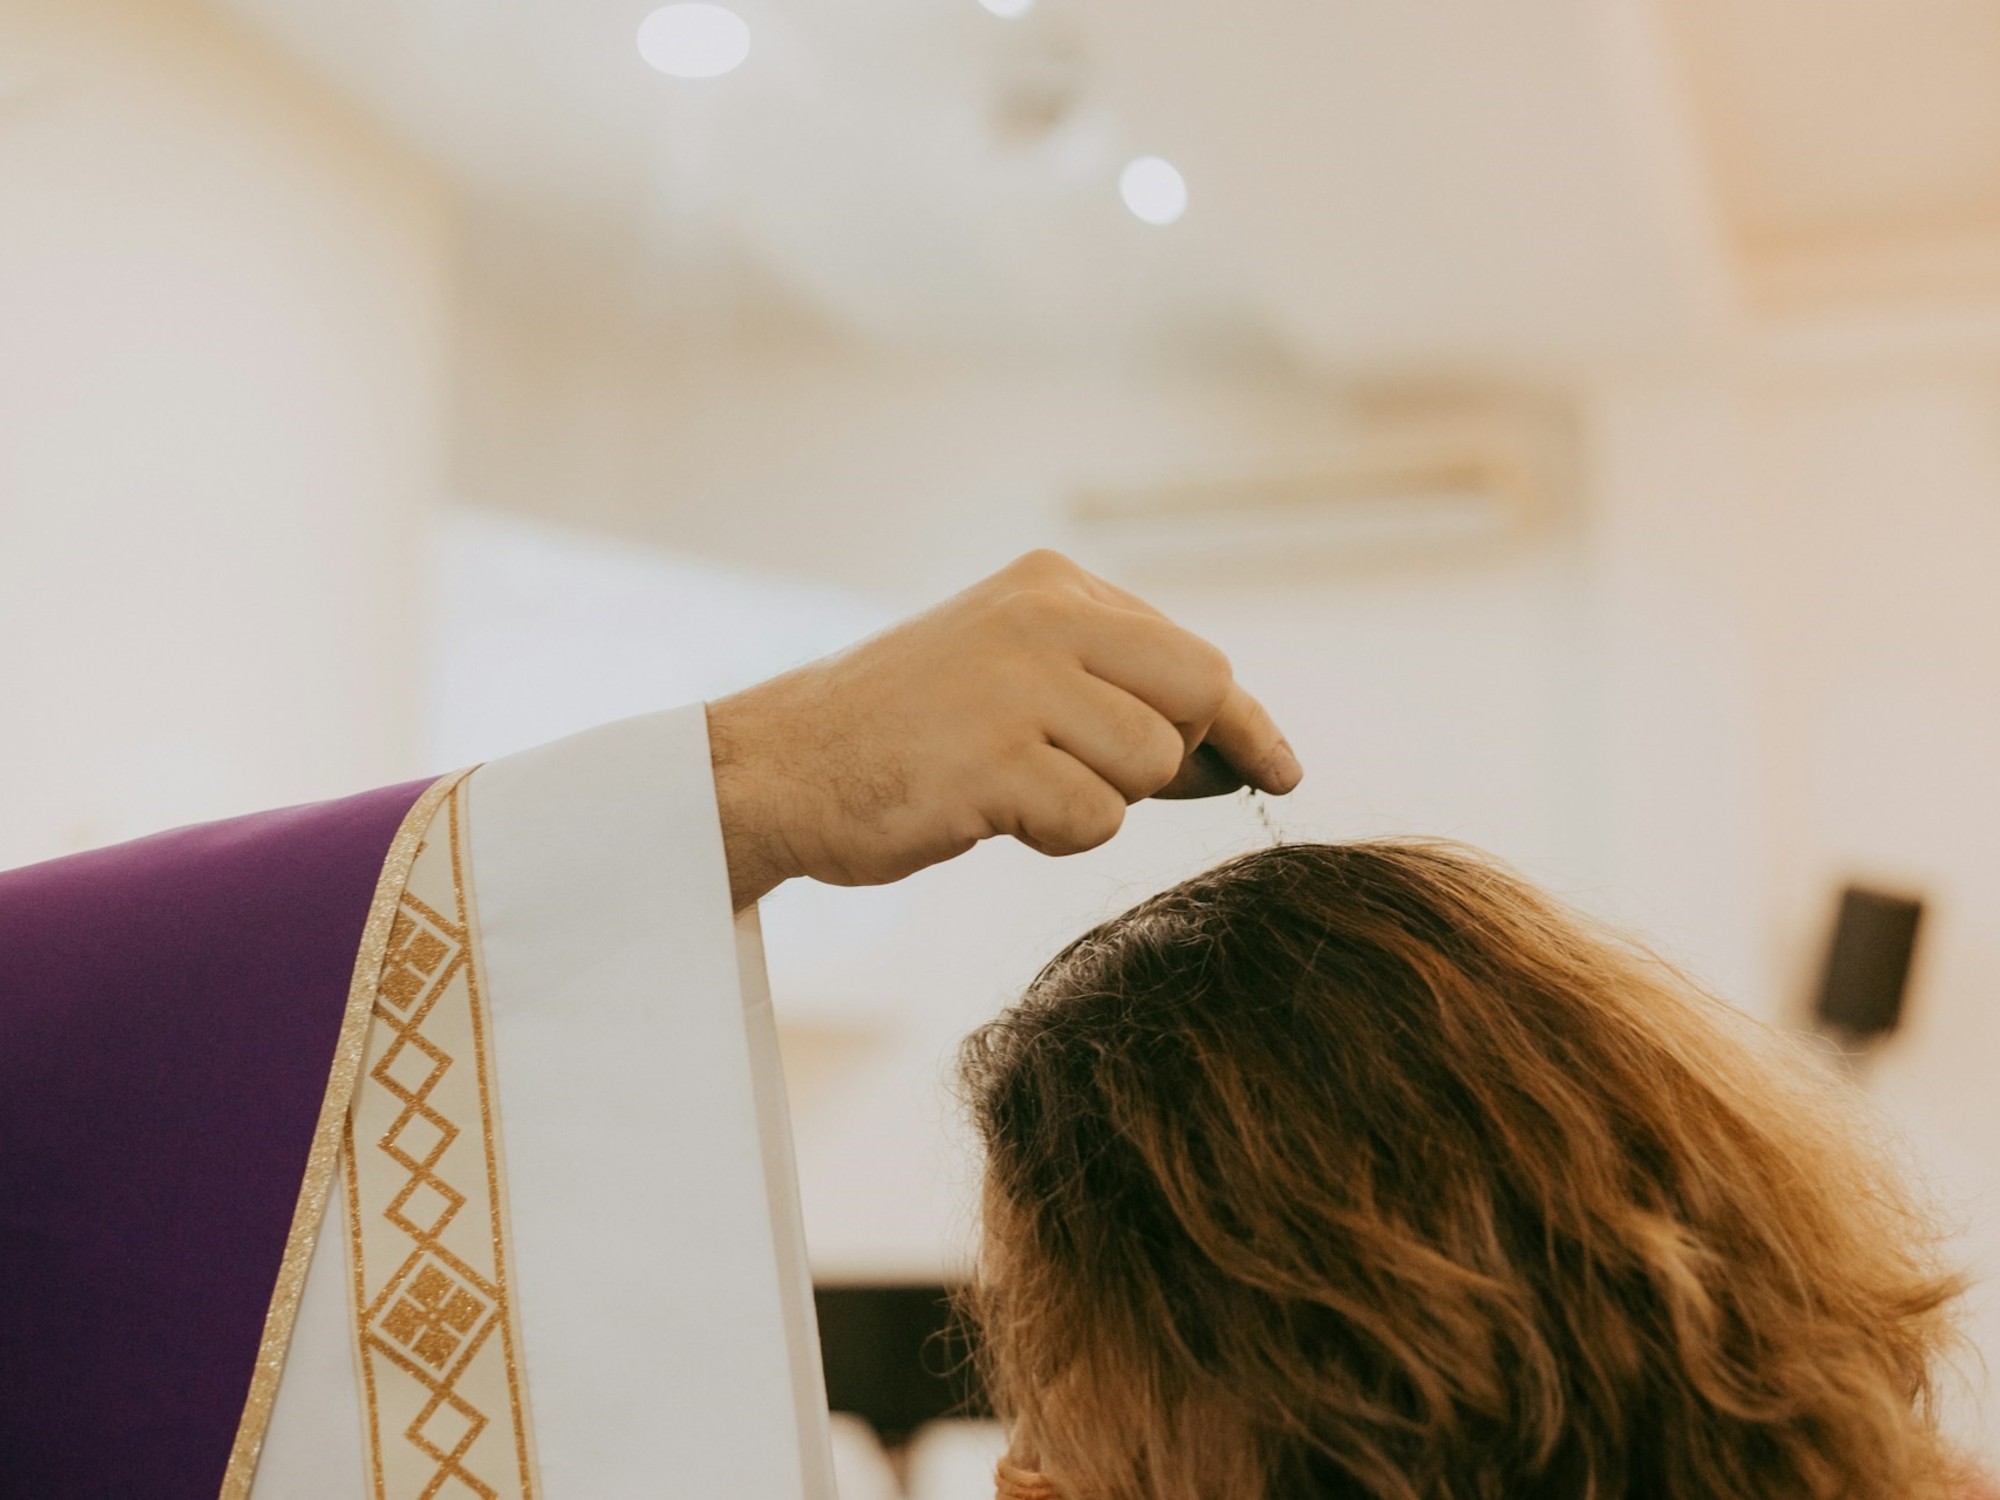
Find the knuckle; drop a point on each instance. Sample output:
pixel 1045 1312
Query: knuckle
pixel 1080 819
pixel 1151 751
pixel 1213 670
pixel 1041 606
pixel 1095 817
pixel 1043 562
pixel 1163 758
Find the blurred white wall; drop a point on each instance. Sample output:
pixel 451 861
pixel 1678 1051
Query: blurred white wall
pixel 223 304
pixel 539 631
pixel 1806 636
pixel 1878 545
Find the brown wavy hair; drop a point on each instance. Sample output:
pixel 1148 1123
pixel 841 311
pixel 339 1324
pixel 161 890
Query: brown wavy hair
pixel 1368 1170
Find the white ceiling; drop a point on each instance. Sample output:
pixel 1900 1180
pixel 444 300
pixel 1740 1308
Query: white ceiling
pixel 1856 117
pixel 1377 186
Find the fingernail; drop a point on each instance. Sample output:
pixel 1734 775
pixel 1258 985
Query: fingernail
pixel 1282 770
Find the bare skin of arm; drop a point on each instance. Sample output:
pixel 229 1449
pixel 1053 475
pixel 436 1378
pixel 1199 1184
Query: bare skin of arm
pixel 1039 703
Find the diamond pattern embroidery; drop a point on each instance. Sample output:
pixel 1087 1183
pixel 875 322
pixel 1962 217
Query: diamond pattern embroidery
pixel 432 1319
pixel 416 954
pixel 445 1414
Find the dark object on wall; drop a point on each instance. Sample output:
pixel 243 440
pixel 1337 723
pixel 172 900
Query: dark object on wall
pixel 1868 964
pixel 897 1356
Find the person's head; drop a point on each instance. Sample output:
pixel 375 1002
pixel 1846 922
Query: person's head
pixel 1367 1170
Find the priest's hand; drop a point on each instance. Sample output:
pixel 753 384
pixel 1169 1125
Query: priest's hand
pixel 1039 703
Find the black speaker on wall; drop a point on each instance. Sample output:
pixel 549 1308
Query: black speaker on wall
pixel 1868 964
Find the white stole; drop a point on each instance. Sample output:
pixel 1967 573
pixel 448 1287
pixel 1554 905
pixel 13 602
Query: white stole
pixel 643 1324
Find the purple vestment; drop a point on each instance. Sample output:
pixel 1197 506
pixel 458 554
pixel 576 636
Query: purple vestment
pixel 168 1015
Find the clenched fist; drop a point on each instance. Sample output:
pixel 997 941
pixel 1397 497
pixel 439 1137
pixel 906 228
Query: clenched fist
pixel 1039 703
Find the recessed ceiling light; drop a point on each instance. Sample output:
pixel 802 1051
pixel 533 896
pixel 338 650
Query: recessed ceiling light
pixel 1153 189
pixel 1009 9
pixel 694 40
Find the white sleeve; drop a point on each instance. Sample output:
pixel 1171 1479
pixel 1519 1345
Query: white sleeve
pixel 660 1280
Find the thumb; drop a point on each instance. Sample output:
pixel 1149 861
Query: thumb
pixel 1203 774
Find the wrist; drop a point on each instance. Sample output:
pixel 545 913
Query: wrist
pixel 759 859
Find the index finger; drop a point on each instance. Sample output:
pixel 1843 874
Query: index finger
pixel 1203 774
pixel 1189 682
pixel 1174 672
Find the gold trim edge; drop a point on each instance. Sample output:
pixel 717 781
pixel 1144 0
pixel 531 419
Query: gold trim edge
pixel 282 1311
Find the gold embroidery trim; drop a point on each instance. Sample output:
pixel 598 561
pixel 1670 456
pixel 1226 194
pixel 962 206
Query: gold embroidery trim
pixel 436 1339
pixel 283 1309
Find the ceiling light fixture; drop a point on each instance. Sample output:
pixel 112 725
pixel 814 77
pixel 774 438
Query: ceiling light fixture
pixel 1009 10
pixel 694 40
pixel 1153 189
